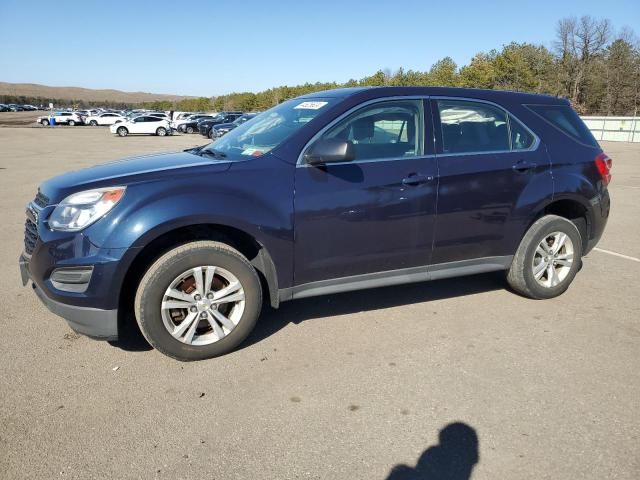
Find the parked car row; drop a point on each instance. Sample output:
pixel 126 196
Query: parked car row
pixel 13 107
pixel 95 118
pixel 123 123
pixel 217 130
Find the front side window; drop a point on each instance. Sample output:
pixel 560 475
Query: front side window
pixel 471 127
pixel 270 129
pixel 388 129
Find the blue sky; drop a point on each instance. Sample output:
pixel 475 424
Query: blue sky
pixel 215 47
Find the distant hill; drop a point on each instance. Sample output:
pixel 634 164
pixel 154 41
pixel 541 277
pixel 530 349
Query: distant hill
pixel 78 94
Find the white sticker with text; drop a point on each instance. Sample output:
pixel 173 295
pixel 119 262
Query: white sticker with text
pixel 311 105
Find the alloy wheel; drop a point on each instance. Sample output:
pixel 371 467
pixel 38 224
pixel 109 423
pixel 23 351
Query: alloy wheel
pixel 203 305
pixel 553 259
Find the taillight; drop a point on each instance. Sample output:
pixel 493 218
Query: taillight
pixel 604 164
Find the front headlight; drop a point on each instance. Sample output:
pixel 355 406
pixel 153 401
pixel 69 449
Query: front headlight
pixel 81 209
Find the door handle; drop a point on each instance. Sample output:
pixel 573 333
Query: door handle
pixel 523 166
pixel 416 179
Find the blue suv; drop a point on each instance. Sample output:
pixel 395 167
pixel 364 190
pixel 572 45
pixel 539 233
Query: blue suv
pixel 330 192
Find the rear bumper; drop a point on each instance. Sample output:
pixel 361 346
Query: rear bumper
pixel 599 217
pixel 92 322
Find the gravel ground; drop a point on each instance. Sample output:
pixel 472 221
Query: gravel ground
pixel 346 386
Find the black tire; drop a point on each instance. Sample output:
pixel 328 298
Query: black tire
pixel 122 131
pixel 161 132
pixel 45 123
pixel 210 134
pixel 521 276
pixel 159 276
pixel 72 123
pixel 93 123
pixel 189 130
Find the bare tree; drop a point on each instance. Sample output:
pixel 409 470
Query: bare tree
pixel 578 43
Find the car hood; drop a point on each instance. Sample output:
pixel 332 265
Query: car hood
pixel 129 171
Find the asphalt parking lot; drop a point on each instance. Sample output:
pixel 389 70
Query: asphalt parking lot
pixel 346 386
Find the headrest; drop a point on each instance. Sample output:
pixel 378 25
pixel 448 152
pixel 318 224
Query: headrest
pixel 363 128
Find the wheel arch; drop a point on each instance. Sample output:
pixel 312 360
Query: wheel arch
pixel 572 208
pixel 245 243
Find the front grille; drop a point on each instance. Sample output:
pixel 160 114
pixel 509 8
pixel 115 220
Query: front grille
pixel 41 200
pixel 30 236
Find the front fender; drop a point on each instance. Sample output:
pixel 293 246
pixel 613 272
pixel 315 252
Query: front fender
pixel 255 197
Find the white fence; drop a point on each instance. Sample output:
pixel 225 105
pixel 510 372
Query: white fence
pixel 614 129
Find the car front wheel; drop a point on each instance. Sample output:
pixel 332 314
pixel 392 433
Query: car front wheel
pixel 71 123
pixel 189 130
pixel 199 300
pixel 45 123
pixel 93 123
pixel 548 258
pixel 161 132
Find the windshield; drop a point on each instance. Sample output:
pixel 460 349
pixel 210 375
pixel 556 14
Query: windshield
pixel 269 129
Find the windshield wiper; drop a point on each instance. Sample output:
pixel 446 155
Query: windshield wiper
pixel 195 150
pixel 213 153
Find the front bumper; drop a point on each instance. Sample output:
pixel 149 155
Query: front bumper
pixel 92 322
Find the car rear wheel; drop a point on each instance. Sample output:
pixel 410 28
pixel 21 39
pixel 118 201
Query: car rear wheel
pixel 44 123
pixel 161 132
pixel 211 134
pixel 123 132
pixel 548 258
pixel 189 130
pixel 72 123
pixel 198 301
pixel 93 123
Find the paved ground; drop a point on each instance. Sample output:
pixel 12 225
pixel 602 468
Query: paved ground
pixel 346 386
pixel 20 119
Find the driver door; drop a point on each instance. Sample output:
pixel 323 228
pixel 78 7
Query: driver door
pixel 372 215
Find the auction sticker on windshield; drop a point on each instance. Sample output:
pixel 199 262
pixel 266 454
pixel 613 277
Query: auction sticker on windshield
pixel 311 105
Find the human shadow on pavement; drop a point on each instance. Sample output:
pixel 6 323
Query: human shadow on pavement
pixel 453 458
pixel 298 311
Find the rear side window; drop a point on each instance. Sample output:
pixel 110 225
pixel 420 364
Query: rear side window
pixel 471 127
pixel 521 138
pixel 567 120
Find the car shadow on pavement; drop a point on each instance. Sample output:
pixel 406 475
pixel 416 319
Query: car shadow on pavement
pixel 298 311
pixel 453 458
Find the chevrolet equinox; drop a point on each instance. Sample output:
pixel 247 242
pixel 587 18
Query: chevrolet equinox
pixel 330 192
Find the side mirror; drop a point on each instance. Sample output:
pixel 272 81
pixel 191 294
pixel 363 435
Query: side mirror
pixel 330 150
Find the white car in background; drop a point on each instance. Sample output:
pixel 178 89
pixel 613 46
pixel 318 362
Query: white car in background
pixel 144 124
pixel 107 118
pixel 68 118
pixel 158 114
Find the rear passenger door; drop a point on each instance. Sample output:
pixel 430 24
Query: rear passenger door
pixel 138 125
pixel 151 124
pixel 488 163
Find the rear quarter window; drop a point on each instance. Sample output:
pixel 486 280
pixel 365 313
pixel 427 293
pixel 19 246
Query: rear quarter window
pixel 565 119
